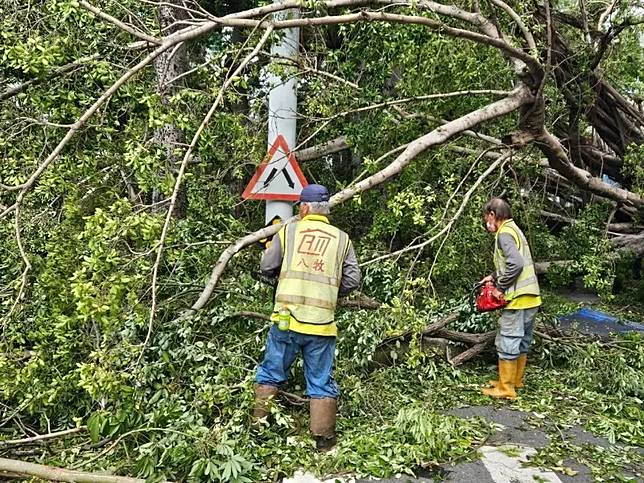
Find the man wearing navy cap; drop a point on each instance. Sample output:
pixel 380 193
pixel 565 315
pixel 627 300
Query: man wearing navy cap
pixel 315 262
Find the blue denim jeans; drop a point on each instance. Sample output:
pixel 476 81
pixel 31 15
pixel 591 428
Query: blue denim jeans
pixel 515 332
pixel 318 352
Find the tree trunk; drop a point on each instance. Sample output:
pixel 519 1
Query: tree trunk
pixel 168 66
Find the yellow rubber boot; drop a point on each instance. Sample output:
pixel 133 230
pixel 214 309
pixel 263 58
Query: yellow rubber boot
pixel 521 363
pixel 518 381
pixel 507 376
pixel 493 382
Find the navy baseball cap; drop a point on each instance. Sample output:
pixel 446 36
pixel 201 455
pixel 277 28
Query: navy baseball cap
pixel 314 192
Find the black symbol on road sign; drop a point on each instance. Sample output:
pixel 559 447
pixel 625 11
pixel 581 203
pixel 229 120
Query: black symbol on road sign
pixel 289 180
pixel 270 177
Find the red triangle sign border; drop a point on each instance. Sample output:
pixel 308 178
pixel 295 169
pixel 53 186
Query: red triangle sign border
pixel 279 142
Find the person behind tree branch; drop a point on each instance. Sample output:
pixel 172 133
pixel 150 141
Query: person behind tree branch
pixel 315 262
pixel 515 280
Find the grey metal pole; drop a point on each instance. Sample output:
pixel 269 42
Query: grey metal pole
pixel 282 103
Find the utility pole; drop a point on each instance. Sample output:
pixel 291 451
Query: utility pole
pixel 282 103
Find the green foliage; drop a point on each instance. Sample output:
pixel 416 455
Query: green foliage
pixel 634 168
pixel 619 373
pixel 585 244
pixel 70 348
pixel 606 464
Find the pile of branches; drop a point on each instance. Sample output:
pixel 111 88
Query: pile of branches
pixel 460 347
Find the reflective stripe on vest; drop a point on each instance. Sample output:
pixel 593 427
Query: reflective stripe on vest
pixel 526 283
pixel 313 255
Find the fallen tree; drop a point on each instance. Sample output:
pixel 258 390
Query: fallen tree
pixel 414 113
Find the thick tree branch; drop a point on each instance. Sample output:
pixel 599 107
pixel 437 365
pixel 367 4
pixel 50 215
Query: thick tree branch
pixel 410 19
pixel 51 473
pixel 244 19
pixel 471 353
pixel 612 228
pixel 584 21
pixel 426 331
pixel 289 4
pixel 438 136
pixel 604 15
pixel 630 243
pixel 558 159
pixel 541 268
pixel 329 147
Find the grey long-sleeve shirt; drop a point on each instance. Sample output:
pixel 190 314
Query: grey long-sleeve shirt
pixel 514 262
pixel 271 264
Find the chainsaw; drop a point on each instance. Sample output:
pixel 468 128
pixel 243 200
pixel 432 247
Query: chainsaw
pixel 483 292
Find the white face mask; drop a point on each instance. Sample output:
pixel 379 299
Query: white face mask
pixel 490 226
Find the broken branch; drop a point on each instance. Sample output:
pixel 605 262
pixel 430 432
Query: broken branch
pixel 43 437
pixel 17 89
pixel 58 474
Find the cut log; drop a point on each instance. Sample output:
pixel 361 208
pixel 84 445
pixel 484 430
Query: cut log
pixel 466 337
pixel 428 330
pixel 470 353
pixel 626 228
pixel 432 336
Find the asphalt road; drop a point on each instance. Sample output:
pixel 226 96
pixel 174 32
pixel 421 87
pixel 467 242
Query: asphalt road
pixel 501 459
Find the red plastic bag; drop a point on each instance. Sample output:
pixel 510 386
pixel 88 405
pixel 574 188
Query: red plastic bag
pixel 486 301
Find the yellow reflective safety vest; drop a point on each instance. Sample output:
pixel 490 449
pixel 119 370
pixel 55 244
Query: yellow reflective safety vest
pixel 526 283
pixel 313 255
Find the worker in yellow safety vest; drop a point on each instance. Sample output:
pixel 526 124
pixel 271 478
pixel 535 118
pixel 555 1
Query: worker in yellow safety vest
pixel 315 262
pixel 515 281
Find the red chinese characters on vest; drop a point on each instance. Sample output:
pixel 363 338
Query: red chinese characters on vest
pixel 313 246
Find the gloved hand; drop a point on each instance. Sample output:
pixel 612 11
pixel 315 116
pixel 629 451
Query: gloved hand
pixel 497 294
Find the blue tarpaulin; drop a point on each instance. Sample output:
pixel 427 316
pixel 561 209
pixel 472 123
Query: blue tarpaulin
pixel 589 321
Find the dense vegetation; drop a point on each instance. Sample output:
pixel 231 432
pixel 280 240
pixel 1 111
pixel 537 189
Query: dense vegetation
pixel 79 242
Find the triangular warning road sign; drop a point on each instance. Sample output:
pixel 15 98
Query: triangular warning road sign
pixel 279 177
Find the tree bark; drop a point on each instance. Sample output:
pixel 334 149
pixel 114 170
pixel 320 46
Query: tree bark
pixel 168 66
pixel 470 353
pixel 630 243
pixel 558 159
pixel 589 95
pixel 58 474
pixel 42 437
pixel 329 147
